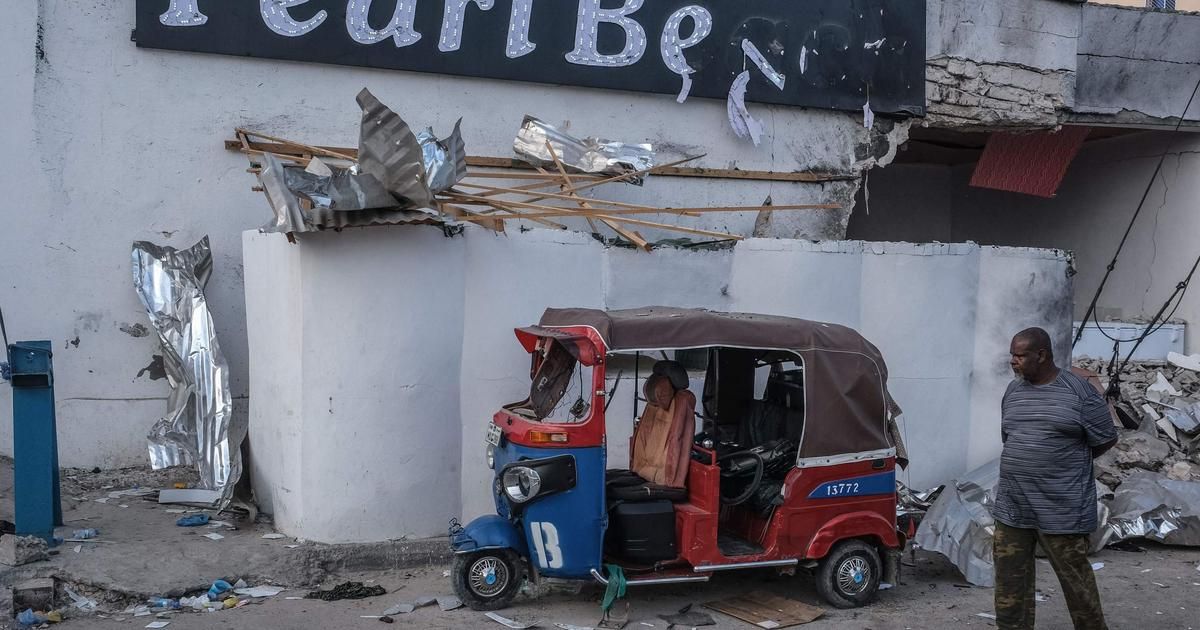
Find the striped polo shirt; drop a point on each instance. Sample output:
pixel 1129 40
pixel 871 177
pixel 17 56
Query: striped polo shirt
pixel 1046 478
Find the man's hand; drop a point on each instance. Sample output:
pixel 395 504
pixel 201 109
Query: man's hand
pixel 1097 451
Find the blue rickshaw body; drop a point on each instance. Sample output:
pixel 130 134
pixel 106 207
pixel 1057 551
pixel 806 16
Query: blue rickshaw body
pixel 562 534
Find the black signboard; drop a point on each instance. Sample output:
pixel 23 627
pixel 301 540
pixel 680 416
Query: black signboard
pixel 835 54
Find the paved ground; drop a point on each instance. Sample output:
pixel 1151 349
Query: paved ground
pixel 145 554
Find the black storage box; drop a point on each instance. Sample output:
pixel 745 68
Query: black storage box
pixel 643 531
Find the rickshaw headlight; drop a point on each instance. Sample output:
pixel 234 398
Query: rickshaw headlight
pixel 491 457
pixel 521 483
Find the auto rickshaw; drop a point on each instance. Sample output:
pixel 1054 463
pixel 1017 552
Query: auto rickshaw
pixel 793 465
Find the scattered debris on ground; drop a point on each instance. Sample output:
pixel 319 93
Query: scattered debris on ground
pixel 348 590
pixel 766 610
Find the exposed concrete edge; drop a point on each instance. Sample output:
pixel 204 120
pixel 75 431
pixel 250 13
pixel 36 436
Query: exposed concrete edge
pixel 306 565
pixel 392 554
pixel 1128 118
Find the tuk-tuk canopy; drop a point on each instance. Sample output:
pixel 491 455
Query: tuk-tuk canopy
pixel 848 410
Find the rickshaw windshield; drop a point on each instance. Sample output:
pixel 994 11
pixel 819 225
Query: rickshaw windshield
pixel 559 384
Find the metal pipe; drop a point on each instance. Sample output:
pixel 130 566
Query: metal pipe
pixel 652 581
pixel 745 565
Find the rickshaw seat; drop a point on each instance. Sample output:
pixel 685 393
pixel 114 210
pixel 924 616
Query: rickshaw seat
pixel 662 441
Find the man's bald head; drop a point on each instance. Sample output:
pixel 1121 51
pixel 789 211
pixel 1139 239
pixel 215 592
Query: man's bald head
pixel 1032 355
pixel 1036 339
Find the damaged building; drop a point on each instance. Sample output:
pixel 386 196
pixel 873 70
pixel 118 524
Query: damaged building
pixel 976 179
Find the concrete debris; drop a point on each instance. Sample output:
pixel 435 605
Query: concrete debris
pixel 1186 418
pixel 1180 471
pixel 19 550
pixel 1161 389
pixel 1165 400
pixel 37 594
pixel 448 603
pixel 1187 362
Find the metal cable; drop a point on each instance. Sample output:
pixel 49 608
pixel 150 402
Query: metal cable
pixel 1091 310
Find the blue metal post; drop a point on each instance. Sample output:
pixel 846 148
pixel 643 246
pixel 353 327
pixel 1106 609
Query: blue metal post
pixel 35 440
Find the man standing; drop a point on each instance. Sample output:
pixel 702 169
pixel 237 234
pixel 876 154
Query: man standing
pixel 1052 423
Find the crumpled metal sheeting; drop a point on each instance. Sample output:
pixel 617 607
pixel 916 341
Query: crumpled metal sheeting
pixel 1149 505
pixel 960 525
pixel 290 217
pixel 388 150
pixel 587 155
pixel 199 427
pixel 909 501
pixel 445 160
pixel 342 191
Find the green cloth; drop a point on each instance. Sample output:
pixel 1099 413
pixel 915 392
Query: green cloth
pixel 616 587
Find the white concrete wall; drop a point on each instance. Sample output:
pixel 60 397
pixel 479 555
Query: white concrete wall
pixel 387 310
pixel 1090 213
pixel 356 350
pixel 105 143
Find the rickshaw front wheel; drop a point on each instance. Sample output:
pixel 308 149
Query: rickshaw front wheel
pixel 849 576
pixel 486 580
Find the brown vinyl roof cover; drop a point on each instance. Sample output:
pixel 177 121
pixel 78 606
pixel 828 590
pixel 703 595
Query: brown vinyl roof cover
pixel 846 397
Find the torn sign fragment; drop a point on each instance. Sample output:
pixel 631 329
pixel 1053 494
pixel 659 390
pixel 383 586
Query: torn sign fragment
pixel 745 125
pixel 774 76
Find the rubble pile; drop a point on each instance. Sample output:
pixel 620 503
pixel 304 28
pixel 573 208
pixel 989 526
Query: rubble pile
pixel 1164 399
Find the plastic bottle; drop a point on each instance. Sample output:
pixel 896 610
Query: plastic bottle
pixel 84 534
pixel 163 602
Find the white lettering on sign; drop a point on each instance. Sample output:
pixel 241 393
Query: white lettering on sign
pixel 546 545
pixel 182 13
pixel 399 28
pixel 587 28
pixel 672 45
pixel 452 22
pixel 518 30
pixel 275 15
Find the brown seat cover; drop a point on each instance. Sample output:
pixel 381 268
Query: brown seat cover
pixel 663 437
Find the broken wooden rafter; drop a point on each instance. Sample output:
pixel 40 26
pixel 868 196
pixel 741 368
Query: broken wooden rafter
pixel 284 149
pixel 630 235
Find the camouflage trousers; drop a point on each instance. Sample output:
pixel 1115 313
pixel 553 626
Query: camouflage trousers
pixel 1016 577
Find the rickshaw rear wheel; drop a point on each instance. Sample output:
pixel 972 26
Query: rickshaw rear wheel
pixel 487 580
pixel 849 575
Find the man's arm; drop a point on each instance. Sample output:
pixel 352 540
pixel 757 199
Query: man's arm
pixel 1101 449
